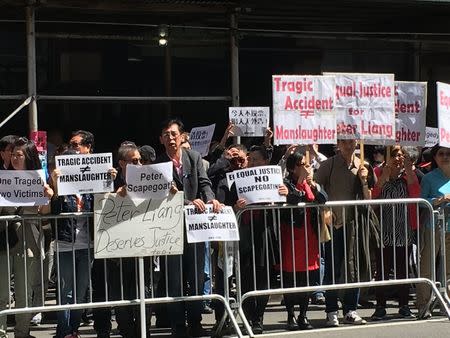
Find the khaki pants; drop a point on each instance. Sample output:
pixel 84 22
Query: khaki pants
pixel 33 270
pixel 424 290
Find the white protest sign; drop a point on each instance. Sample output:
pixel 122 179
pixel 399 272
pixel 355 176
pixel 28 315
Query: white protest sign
pixel 259 184
pixel 152 228
pixel 303 109
pixel 200 138
pixel 410 113
pixel 84 174
pixel 149 181
pixel 210 226
pixel 365 107
pixel 249 121
pixel 22 188
pixel 230 179
pixel 431 137
pixel 443 110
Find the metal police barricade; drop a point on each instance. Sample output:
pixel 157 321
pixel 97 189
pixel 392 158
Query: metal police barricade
pixel 442 250
pixel 371 248
pixel 25 248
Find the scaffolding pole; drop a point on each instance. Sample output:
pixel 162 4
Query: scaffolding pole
pixel 234 51
pixel 31 67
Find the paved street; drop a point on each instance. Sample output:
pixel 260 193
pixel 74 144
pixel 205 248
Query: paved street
pixel 275 319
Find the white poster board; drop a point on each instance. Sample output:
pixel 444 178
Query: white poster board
pixel 149 181
pixel 200 138
pixel 230 179
pixel 365 107
pixel 431 137
pixel 443 110
pixel 259 184
pixel 22 188
pixel 303 109
pixel 84 174
pixel 249 121
pixel 151 228
pixel 410 111
pixel 209 226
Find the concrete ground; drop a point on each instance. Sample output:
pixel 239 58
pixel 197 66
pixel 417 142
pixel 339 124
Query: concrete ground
pixel 275 321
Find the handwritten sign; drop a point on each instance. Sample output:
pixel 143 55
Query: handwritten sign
pixel 84 174
pixel 149 181
pixel 431 137
pixel 151 228
pixel 365 107
pixel 210 226
pixel 410 112
pixel 259 184
pixel 249 121
pixel 443 109
pixel 303 109
pixel 200 138
pixel 22 188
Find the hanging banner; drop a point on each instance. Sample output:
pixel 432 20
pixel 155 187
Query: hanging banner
pixel 259 184
pixel 431 137
pixel 410 113
pixel 152 228
pixel 303 109
pixel 149 181
pixel 22 188
pixel 443 110
pixel 365 107
pixel 249 121
pixel 84 174
pixel 209 226
pixel 200 138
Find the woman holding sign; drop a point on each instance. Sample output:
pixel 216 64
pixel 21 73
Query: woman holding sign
pixel 396 180
pixel 300 242
pixel 254 231
pixel 27 258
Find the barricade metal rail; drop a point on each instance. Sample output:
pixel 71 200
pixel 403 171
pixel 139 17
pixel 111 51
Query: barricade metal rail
pixel 17 263
pixel 274 231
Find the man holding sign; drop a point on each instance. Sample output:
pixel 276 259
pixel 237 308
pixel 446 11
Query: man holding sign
pixel 190 177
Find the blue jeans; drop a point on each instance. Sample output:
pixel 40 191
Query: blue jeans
pixel 350 296
pixel 207 284
pixel 69 320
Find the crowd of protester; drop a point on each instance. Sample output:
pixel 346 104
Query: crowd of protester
pixel 293 249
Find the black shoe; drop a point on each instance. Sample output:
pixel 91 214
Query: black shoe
pixel 257 327
pixel 405 312
pixel 292 323
pixel 379 314
pixel 304 324
pixel 197 330
pixel 207 310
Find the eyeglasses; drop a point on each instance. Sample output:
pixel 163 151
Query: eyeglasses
pixel 238 159
pixel 169 134
pixel 128 144
pixel 135 161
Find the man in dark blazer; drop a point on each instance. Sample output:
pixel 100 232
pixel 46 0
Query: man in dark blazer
pixel 189 176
